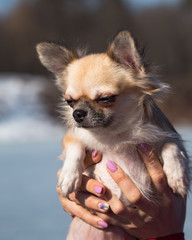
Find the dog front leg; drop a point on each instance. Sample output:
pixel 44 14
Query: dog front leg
pixel 175 165
pixel 73 167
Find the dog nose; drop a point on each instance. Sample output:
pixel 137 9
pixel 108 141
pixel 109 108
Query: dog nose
pixel 79 115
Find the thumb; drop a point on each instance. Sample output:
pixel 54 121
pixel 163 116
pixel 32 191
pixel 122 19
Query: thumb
pixel 92 158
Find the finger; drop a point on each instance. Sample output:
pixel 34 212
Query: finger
pixel 127 186
pixel 82 213
pixel 120 213
pixel 154 167
pixel 117 222
pixel 92 158
pixel 58 173
pixel 88 184
pixel 130 217
pixel 113 219
pixel 92 186
pixel 89 201
pixel 135 218
pixel 58 189
pixel 115 204
pixel 64 204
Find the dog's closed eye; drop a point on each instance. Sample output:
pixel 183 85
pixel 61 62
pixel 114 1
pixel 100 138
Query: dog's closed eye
pixel 70 102
pixel 106 100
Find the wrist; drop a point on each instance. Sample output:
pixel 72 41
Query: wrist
pixel 177 236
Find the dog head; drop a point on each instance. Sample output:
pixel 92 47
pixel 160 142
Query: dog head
pixel 101 91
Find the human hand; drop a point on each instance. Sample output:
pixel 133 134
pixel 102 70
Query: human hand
pixel 149 219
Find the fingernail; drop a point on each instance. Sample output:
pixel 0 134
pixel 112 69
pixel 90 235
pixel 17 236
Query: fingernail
pixel 103 206
pixel 143 147
pixel 94 153
pixel 98 189
pixel 102 224
pixel 111 166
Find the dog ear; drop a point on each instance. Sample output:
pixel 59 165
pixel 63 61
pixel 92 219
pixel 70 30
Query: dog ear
pixel 123 50
pixel 54 57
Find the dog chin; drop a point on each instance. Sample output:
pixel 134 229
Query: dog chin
pixel 89 126
pixel 83 125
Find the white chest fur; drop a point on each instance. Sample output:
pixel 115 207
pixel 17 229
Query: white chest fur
pixel 121 149
pixel 130 162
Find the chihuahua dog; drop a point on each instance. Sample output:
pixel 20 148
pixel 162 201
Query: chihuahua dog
pixel 108 106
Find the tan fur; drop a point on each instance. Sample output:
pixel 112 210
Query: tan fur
pixel 85 77
pixel 67 140
pixel 108 106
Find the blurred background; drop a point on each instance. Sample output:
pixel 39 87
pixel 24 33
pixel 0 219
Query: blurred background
pixel 30 126
pixel 162 27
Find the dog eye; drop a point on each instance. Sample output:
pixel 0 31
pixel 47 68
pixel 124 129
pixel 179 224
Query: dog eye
pixel 107 99
pixel 70 102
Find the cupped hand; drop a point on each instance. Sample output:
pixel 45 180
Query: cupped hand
pixel 144 219
pixel 162 216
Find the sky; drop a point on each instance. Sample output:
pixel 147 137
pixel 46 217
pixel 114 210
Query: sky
pixel 7 5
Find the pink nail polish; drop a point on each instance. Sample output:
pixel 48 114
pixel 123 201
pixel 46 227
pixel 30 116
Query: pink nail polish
pixel 94 153
pixel 111 166
pixel 98 189
pixel 143 147
pixel 102 224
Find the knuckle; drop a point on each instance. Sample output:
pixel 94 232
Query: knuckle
pixel 135 199
pixel 88 201
pixel 106 218
pixel 121 177
pixel 73 197
pixel 119 209
pixel 159 179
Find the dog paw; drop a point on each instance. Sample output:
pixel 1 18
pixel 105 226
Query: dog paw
pixel 175 169
pixel 177 184
pixel 69 182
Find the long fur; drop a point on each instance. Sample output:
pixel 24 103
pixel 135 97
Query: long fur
pixel 108 105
